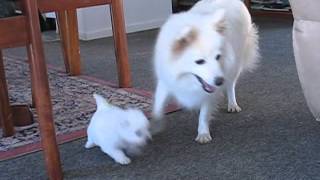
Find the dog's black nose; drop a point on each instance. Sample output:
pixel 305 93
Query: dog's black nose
pixel 219 81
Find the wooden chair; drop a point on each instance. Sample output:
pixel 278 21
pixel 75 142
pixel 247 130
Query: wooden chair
pixel 67 21
pixel 24 30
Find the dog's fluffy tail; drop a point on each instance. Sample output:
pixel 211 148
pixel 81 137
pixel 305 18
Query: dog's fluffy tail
pixel 251 53
pixel 101 102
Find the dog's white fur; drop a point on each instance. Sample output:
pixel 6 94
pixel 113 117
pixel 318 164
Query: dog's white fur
pixel 221 35
pixel 116 130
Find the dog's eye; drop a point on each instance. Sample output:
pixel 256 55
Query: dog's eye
pixel 200 61
pixel 218 57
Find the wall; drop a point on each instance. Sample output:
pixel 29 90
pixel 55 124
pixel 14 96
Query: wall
pixel 140 15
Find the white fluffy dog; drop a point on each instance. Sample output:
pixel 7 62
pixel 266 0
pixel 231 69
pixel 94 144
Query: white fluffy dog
pixel 117 131
pixel 201 53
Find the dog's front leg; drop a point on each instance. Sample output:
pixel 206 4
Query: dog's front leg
pixel 203 126
pixel 161 95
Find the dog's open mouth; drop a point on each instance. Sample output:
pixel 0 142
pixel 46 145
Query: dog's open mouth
pixel 207 87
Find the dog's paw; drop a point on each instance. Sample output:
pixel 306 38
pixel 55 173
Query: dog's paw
pixel 234 108
pixel 123 161
pixel 203 138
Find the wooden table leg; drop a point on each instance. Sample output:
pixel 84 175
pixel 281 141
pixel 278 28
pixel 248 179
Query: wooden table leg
pixel 121 45
pixel 41 88
pixel 68 28
pixel 5 109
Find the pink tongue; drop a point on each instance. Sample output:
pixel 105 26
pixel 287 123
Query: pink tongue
pixel 207 87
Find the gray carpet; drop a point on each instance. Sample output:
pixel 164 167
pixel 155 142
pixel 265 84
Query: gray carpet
pixel 275 137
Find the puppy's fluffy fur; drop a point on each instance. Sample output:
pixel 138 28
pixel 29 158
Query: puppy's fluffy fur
pixel 116 130
pixel 201 53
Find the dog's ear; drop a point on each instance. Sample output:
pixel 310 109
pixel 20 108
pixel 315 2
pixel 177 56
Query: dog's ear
pixel 184 39
pixel 219 21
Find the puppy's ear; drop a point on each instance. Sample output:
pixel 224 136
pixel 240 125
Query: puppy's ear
pixel 184 39
pixel 219 21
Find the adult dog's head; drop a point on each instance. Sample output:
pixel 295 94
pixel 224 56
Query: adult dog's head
pixel 189 51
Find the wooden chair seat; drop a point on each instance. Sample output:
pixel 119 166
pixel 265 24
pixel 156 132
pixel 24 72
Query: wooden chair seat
pixel 61 5
pixel 68 26
pixel 13 32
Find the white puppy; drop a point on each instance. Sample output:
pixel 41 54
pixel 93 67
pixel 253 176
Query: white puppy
pixel 117 131
pixel 201 53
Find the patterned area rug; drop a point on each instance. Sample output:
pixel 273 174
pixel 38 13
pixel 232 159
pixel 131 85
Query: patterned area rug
pixel 72 101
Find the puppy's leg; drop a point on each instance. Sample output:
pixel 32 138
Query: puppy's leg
pixel 116 154
pixel 231 92
pixel 161 95
pixel 203 127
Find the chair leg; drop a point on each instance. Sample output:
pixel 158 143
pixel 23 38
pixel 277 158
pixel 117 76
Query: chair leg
pixel 6 120
pixel 41 88
pixel 120 41
pixel 68 29
pixel 247 3
pixel 33 95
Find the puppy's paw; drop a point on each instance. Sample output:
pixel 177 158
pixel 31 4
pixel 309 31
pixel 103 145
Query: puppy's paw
pixel 117 155
pixel 89 145
pixel 123 160
pixel 234 108
pixel 203 138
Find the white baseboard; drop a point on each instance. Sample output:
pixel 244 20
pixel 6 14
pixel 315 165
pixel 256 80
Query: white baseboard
pixel 134 27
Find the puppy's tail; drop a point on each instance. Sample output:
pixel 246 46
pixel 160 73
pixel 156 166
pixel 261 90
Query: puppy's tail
pixel 101 102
